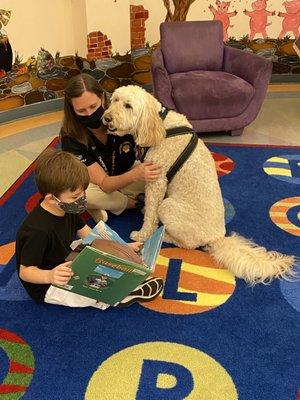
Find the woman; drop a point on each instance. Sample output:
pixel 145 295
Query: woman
pixel 115 177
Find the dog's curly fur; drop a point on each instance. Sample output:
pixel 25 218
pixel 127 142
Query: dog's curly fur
pixel 191 206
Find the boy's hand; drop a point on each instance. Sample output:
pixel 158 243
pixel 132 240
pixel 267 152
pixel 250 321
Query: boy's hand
pixel 136 246
pixel 61 274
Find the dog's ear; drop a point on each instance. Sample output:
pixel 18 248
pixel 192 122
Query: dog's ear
pixel 150 129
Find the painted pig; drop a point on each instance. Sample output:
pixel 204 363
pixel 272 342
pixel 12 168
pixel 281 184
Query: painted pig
pixel 291 18
pixel 258 18
pixel 222 14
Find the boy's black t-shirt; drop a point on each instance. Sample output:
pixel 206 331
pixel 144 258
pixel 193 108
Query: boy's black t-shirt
pixel 43 240
pixel 115 157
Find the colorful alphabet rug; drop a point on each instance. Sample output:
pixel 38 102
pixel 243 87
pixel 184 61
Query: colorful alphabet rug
pixel 208 336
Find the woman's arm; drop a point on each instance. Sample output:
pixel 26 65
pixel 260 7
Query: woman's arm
pixel 108 183
pixel 146 171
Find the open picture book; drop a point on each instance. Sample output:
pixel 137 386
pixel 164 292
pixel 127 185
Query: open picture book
pixel 106 268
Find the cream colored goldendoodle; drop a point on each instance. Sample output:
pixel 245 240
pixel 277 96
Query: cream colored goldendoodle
pixel 191 205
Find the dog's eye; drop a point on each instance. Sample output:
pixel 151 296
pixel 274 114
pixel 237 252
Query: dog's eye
pixel 116 99
pixel 127 105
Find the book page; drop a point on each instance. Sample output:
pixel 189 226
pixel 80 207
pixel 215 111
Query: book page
pixel 102 231
pixel 152 247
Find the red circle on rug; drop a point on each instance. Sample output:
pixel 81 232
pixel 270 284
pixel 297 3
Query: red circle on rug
pixel 224 164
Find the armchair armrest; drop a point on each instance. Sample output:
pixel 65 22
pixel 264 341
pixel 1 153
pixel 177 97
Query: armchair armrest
pixel 253 69
pixel 161 81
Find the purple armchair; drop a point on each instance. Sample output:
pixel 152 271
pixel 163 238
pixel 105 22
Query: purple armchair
pixel 218 88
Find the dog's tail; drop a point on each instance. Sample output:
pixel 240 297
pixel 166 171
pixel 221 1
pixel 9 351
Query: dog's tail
pixel 248 261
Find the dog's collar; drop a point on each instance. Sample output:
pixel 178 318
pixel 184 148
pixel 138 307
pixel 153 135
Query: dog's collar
pixel 163 112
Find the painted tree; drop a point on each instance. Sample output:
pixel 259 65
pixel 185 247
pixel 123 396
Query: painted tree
pixel 181 8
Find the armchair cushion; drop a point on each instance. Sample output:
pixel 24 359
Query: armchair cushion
pixel 251 67
pixel 192 46
pixel 210 94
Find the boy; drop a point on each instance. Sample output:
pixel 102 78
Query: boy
pixel 44 238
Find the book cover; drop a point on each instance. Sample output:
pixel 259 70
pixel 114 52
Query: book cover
pixel 107 277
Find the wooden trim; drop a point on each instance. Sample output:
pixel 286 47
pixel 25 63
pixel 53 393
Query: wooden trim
pixel 17 126
pixel 284 87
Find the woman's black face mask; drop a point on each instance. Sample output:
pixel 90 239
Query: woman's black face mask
pixel 92 121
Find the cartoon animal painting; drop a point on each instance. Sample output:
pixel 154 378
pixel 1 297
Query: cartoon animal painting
pixel 6 55
pixel 291 18
pixel 259 18
pixel 222 14
pixel 4 17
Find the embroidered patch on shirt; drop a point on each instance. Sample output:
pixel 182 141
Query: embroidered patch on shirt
pixel 125 147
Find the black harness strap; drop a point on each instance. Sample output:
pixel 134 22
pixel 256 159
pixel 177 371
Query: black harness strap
pixel 179 130
pixel 185 154
pixel 141 153
pixel 163 112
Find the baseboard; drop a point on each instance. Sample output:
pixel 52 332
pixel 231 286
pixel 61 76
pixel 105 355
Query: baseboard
pixel 31 109
pixel 285 78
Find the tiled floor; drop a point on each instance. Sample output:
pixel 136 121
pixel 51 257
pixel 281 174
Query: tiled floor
pixel 22 141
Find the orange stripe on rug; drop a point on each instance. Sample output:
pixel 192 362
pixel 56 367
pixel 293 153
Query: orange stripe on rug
pixel 6 252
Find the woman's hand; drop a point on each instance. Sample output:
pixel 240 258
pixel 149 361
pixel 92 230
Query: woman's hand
pixel 146 171
pixel 61 274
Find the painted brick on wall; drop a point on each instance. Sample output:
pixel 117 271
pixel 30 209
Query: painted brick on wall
pixel 99 46
pixel 138 16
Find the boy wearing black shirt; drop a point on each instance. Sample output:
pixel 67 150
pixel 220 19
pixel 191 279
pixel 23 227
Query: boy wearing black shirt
pixel 44 238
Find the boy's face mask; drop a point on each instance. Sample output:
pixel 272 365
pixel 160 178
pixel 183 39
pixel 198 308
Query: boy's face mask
pixel 92 121
pixel 76 207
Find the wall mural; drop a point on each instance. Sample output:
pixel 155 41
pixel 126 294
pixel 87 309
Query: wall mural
pixel 44 76
pixel 181 8
pixel 221 13
pixel 5 47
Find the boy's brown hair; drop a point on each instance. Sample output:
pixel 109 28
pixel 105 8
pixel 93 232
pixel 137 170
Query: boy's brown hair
pixel 59 171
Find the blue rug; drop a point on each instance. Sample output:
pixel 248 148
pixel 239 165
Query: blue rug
pixel 208 336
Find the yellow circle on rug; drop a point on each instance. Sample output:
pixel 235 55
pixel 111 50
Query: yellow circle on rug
pixel 285 214
pixel 194 282
pixel 161 370
pixel 284 167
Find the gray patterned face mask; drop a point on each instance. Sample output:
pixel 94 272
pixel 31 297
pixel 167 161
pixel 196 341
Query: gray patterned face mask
pixel 76 207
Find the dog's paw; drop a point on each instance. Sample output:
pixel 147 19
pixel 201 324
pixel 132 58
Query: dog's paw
pixel 168 238
pixel 138 236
